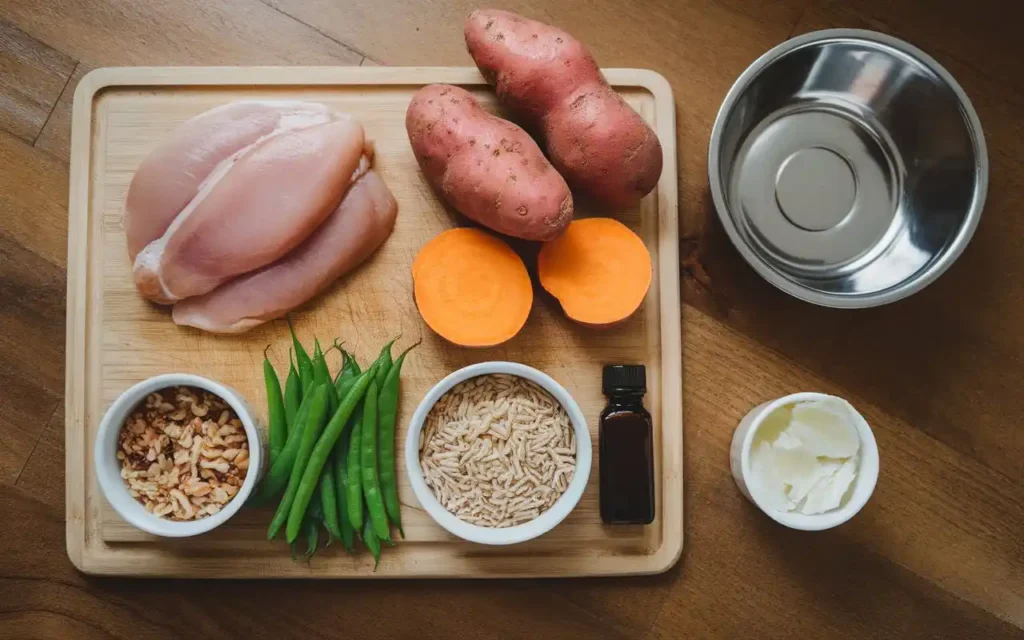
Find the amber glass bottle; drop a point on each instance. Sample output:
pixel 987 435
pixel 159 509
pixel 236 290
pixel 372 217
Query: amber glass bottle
pixel 626 441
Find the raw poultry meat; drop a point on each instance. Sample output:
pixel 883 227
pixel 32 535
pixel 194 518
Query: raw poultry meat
pixel 252 208
pixel 170 177
pixel 355 229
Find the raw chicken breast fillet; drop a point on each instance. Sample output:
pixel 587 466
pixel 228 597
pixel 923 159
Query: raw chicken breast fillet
pixel 259 178
pixel 354 230
pixel 170 177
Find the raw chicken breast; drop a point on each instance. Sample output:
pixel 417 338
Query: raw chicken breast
pixel 358 226
pixel 170 177
pixel 252 209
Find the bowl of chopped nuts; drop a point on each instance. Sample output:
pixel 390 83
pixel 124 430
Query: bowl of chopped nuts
pixel 178 454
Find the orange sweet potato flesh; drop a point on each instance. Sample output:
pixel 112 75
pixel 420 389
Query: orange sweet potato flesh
pixel 598 270
pixel 471 288
pixel 595 140
pixel 488 168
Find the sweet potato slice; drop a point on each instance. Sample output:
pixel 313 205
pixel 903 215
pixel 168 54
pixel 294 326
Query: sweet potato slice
pixel 471 288
pixel 598 270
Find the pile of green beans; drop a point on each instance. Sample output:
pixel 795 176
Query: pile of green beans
pixel 332 449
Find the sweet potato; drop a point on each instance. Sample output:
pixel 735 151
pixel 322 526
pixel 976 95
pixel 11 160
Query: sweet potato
pixel 595 140
pixel 471 288
pixel 598 270
pixel 488 168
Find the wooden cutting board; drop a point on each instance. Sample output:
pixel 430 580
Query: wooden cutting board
pixel 115 339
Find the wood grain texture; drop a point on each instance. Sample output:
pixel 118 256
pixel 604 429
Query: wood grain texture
pixel 33 197
pixel 55 138
pixel 31 295
pixel 121 114
pixel 125 32
pixel 32 239
pixel 955 33
pixel 936 553
pixel 32 75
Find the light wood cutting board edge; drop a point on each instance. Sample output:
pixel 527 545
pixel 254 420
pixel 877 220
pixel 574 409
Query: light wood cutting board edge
pixel 91 555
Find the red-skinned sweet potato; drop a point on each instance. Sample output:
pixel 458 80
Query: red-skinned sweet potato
pixel 595 140
pixel 488 168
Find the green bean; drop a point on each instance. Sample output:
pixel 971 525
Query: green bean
pixel 383 364
pixel 353 456
pixel 312 538
pixel 305 365
pixel 319 361
pixel 343 384
pixel 316 512
pixel 345 373
pixel 346 386
pixel 310 434
pixel 346 361
pixel 387 407
pixel 353 473
pixel 341 490
pixel 277 478
pixel 354 492
pixel 349 370
pixel 369 464
pixel 292 396
pixel 300 421
pixel 322 376
pixel 312 528
pixel 312 531
pixel 314 464
pixel 329 500
pixel 306 377
pixel 372 542
pixel 278 430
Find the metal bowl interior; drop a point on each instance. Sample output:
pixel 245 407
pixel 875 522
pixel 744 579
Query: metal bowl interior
pixel 848 167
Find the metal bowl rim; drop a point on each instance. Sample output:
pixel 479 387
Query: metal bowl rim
pixel 919 280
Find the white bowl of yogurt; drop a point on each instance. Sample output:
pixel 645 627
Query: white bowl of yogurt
pixel 808 460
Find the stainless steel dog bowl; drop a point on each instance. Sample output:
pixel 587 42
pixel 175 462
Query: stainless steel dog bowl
pixel 848 167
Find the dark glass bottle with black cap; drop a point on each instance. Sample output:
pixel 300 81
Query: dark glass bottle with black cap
pixel 626 440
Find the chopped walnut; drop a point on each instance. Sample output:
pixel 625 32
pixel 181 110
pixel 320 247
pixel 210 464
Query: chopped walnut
pixel 184 453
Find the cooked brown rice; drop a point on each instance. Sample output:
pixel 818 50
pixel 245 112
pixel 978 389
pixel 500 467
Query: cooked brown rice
pixel 497 450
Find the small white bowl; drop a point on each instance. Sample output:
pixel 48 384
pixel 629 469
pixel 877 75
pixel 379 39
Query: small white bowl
pixel 519 533
pixel 108 467
pixel 863 484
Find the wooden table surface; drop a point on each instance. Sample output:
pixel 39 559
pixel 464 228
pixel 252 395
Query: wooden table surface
pixel 939 550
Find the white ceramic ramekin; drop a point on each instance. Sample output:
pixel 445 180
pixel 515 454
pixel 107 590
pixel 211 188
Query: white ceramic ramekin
pixel 108 467
pixel 863 484
pixel 519 533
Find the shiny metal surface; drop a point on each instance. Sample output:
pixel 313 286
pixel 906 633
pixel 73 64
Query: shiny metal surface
pixel 848 167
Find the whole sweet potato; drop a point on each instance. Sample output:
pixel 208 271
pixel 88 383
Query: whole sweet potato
pixel 594 139
pixel 488 168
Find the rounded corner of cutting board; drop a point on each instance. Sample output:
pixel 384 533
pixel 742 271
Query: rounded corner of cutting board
pixel 668 555
pixel 80 554
pixel 94 83
pixel 648 79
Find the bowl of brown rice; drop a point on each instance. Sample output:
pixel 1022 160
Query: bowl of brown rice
pixel 498 453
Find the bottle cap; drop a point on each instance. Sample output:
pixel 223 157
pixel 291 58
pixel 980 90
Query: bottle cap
pixel 619 378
